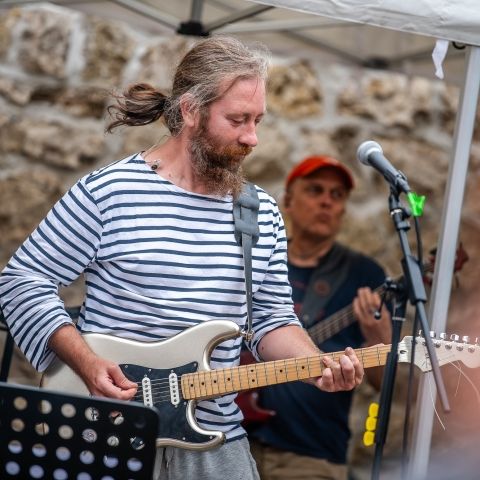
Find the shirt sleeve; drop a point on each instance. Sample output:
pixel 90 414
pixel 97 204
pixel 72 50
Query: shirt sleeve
pixel 272 302
pixel 56 253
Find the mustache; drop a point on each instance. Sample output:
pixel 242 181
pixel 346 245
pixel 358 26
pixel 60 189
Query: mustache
pixel 236 150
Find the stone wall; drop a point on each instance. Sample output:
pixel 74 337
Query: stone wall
pixel 57 68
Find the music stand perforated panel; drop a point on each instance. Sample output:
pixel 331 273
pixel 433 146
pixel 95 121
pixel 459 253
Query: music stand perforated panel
pixel 48 435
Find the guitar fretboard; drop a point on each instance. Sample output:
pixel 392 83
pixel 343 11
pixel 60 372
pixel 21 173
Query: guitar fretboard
pixel 213 383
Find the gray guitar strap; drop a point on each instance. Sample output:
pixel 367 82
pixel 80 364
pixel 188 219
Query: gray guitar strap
pixel 245 217
pixel 326 279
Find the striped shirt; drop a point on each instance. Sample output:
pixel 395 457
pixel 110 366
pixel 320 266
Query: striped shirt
pixel 156 260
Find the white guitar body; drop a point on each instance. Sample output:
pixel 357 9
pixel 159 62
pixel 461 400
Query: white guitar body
pixel 186 352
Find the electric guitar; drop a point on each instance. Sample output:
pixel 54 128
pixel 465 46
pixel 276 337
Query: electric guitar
pixel 174 374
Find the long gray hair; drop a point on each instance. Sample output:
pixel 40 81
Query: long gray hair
pixel 205 73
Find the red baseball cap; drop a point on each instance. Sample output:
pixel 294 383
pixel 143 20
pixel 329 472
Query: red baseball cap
pixel 312 164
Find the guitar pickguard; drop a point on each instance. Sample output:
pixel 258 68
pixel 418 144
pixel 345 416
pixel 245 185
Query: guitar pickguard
pixel 178 426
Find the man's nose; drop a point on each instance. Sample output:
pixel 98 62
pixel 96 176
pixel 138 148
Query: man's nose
pixel 249 136
pixel 325 198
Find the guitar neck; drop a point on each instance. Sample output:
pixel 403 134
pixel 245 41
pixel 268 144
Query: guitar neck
pixel 329 327
pixel 212 383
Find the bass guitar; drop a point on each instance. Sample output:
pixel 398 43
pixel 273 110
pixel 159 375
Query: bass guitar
pixel 174 374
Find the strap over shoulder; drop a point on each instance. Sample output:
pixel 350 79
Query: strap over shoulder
pixel 245 213
pixel 245 217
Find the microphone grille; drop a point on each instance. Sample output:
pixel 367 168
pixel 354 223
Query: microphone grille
pixel 365 149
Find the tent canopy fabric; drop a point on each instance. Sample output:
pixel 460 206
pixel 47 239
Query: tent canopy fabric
pixel 444 19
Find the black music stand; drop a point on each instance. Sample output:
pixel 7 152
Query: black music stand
pixel 52 436
pixel 7 350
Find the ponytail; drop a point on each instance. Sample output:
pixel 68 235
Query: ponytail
pixel 140 104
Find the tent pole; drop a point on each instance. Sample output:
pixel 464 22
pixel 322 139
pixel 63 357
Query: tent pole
pixel 442 282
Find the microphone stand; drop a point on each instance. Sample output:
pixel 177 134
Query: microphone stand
pixel 388 381
pixel 414 291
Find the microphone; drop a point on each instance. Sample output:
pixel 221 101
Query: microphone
pixel 371 153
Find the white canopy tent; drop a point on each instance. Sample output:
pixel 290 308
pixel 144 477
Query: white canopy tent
pixel 457 21
pixel 454 21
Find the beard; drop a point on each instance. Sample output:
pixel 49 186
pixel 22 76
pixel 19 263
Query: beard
pixel 217 167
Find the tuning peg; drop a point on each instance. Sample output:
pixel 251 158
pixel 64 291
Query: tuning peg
pixel 443 336
pixel 420 333
pixel 466 339
pixel 432 334
pixel 454 337
pixel 448 341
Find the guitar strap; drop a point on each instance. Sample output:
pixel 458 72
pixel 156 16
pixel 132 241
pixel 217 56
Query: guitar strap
pixel 326 279
pixel 245 217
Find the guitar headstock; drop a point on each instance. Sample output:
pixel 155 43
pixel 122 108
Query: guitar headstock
pixel 448 349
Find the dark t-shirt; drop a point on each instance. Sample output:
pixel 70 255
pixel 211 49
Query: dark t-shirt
pixel 309 421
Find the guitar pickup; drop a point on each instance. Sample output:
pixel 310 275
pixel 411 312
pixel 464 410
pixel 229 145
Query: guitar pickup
pixel 174 391
pixel 147 391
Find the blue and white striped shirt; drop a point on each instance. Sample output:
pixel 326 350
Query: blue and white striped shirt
pixel 156 260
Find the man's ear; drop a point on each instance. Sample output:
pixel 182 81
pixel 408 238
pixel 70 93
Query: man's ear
pixel 189 114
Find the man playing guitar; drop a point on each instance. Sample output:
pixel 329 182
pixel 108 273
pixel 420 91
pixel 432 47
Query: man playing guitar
pixel 154 236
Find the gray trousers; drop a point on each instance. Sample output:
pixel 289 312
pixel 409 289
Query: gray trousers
pixel 231 461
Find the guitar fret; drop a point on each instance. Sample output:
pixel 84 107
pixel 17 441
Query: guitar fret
pixel 236 380
pixel 252 377
pixel 229 380
pixel 214 382
pixel 296 367
pixel 280 371
pixel 243 377
pixel 304 368
pixel 321 366
pixel 189 386
pixel 202 388
pixel 196 385
pixel 220 384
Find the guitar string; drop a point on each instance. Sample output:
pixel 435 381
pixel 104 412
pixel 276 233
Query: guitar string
pixel 264 370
